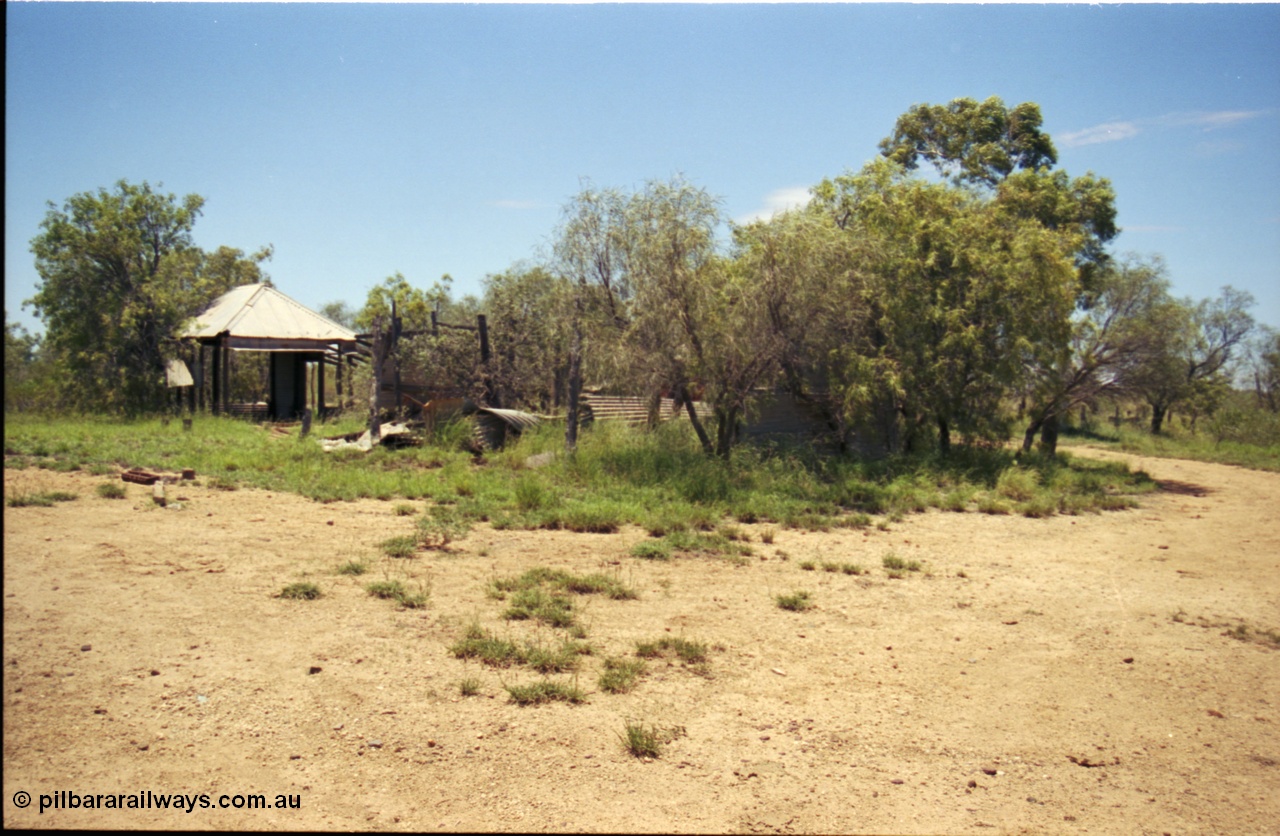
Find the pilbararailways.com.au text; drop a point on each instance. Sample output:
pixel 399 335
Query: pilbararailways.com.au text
pixel 148 800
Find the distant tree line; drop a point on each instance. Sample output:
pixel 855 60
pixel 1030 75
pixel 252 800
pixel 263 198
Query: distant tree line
pixel 917 309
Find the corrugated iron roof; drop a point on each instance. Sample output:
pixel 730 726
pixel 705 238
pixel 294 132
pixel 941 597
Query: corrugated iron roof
pixel 257 311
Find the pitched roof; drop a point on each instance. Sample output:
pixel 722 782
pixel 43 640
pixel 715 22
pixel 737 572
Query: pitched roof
pixel 256 316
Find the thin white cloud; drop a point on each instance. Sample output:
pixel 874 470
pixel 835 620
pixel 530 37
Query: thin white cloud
pixel 1213 119
pixel 1107 132
pixel 1127 129
pixel 778 200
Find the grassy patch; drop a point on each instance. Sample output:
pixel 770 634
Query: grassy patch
pixel 542 594
pixel 399 547
pixel 440 526
pixel 481 645
pixel 652 550
pixel 469 687
pixel 301 591
pixel 111 490
pixel 620 475
pixel 353 567
pixel 543 691
pixel 896 566
pixel 642 741
pixel 797 601
pixel 620 675
pixel 688 651
pixel 43 499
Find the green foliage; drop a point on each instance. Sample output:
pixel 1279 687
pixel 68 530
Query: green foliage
pixel 119 275
pixel 353 567
pixel 974 142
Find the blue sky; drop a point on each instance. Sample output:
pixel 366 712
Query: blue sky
pixel 361 140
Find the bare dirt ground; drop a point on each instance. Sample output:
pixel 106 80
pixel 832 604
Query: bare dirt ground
pixel 1064 675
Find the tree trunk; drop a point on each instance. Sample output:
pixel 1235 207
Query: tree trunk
pixel 683 395
pixel 375 420
pixel 944 437
pixel 726 431
pixel 1029 438
pixel 575 389
pixel 1049 436
pixel 1157 418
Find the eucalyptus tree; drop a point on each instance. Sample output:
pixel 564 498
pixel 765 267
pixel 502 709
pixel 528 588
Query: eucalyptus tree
pixel 961 297
pixel 119 275
pixel 587 254
pixel 527 309
pixel 1112 336
pixel 1193 345
pixel 971 142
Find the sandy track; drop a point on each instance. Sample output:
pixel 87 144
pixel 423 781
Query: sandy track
pixel 1082 660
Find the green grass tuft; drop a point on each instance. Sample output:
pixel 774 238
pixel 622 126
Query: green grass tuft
pixel 544 691
pixel 798 601
pixel 301 591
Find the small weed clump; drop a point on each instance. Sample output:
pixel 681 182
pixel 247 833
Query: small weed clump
pixel 546 690
pixel 808 565
pixel 620 675
pixel 353 567
pixel 399 547
pixel 440 526
pixel 690 652
pixel 394 590
pixel 768 534
pixel 642 742
pixel 469 687
pixel 897 567
pixel 403 509
pixel 798 601
pixel 478 643
pixel 111 490
pixel 652 550
pixel 542 594
pixel 301 591
pixel 535 603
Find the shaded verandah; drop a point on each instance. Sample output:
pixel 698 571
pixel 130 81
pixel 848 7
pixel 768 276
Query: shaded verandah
pixel 260 318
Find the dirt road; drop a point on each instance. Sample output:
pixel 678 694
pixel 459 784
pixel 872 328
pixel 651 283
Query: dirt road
pixel 1099 674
